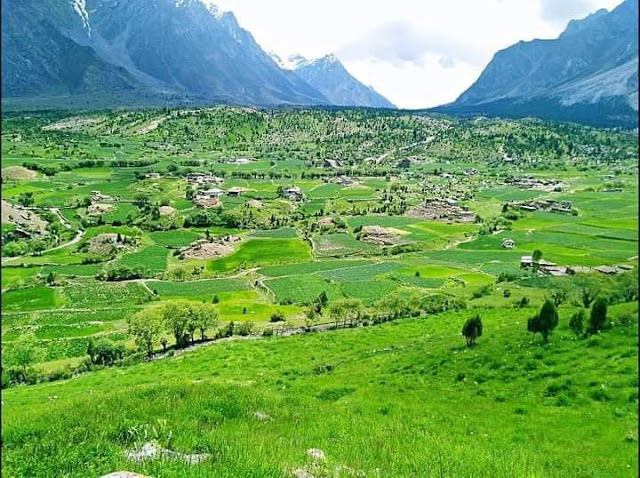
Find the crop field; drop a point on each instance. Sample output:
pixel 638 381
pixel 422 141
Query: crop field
pixel 218 286
pixel 262 252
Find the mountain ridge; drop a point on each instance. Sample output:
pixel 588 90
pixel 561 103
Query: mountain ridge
pixel 587 74
pixel 328 75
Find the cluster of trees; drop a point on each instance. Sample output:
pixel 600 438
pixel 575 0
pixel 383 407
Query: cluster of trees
pixel 182 319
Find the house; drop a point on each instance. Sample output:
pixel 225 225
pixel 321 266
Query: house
pixel 606 270
pixel 508 244
pixel 242 161
pixel 292 193
pixel 213 193
pixel 152 175
pixel 97 196
pixel 331 163
pixel 235 191
pixel 527 262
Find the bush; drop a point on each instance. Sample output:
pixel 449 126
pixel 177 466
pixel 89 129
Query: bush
pixel 268 332
pixel 245 329
pixel 472 329
pixel 576 323
pixel 277 317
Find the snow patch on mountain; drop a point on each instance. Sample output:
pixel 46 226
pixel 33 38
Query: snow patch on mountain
pixel 80 7
pixel 210 5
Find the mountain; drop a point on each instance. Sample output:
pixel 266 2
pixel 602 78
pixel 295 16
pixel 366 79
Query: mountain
pixel 181 49
pixel 589 74
pixel 329 76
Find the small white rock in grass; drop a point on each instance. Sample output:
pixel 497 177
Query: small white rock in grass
pixel 316 454
pixel 124 474
pixel 151 451
pixel 263 417
pixel 302 473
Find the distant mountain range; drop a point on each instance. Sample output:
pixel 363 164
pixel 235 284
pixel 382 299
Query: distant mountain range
pixel 101 52
pixel 589 74
pixel 329 76
pixel 106 53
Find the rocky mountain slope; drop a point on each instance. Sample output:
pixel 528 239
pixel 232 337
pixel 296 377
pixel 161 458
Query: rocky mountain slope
pixel 588 74
pixel 181 49
pixel 329 76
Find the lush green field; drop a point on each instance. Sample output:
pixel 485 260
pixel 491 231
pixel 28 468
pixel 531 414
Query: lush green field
pixel 118 259
pixel 402 399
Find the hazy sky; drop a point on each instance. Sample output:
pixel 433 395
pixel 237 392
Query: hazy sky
pixel 417 53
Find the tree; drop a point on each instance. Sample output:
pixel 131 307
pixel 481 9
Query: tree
pixel 346 310
pixel 25 352
pixel 598 318
pixel 545 321
pixel 589 289
pixel 472 329
pixel 576 323
pixel 176 317
pixel 142 201
pixel 203 317
pixel 322 299
pixel 145 327
pixel 107 352
pixel 26 199
pixel 91 352
pixel 560 294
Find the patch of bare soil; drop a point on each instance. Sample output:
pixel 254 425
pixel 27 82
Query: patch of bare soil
pixel 440 210
pixel 166 210
pixel 217 248
pixel 22 218
pixel 97 209
pixel 73 124
pixel 147 128
pixel 18 173
pixel 382 236
pixel 254 203
pixel 105 244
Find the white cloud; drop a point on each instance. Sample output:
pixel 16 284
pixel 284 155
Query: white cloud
pixel 416 53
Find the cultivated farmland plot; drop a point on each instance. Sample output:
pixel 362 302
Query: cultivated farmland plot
pixel 182 274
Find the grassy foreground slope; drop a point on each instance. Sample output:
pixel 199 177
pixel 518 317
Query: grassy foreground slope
pixel 401 399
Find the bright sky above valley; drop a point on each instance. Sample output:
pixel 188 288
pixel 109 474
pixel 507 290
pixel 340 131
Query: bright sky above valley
pixel 417 53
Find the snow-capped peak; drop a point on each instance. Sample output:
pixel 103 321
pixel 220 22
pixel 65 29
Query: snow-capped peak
pixel 296 61
pixel 210 5
pixel 291 62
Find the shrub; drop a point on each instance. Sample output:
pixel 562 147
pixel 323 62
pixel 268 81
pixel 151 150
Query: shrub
pixel 576 323
pixel 472 329
pixel 245 329
pixel 268 332
pixel 277 317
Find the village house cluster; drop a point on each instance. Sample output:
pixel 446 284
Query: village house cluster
pixel 549 205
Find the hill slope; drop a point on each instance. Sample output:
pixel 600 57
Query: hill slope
pixel 399 399
pixel 588 74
